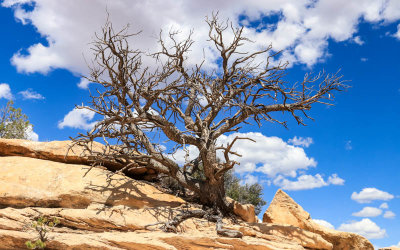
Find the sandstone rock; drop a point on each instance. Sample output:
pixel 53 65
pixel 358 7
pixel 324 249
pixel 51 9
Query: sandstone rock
pixel 99 209
pixel 244 211
pixel 284 210
pixel 141 241
pixel 279 233
pixel 106 228
pixel 32 182
pixel 58 151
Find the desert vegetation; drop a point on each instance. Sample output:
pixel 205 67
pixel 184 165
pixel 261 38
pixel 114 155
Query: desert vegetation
pixel 191 105
pixel 13 123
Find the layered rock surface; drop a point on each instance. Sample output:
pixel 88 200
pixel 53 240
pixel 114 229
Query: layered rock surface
pixel 98 209
pixel 61 151
pixel 284 210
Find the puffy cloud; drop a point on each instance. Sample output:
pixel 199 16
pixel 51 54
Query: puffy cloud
pixel 39 59
pixel 368 212
pixel 303 28
pixel 384 206
pixel 335 180
pixel 249 179
pixel 304 182
pixel 30 94
pixel 30 134
pixel 84 83
pixel 389 215
pixel 78 118
pixel 358 40
pixel 365 227
pixel 301 141
pixel 268 155
pixel 370 194
pixel 5 91
pixel 324 223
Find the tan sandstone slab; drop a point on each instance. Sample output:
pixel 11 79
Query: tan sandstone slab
pixel 59 151
pixel 142 241
pixel 284 210
pixel 33 182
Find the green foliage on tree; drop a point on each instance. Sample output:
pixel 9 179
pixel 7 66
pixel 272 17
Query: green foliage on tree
pixel 245 194
pixel 42 226
pixel 13 123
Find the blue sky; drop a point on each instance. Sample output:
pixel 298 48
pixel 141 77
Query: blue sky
pixel 355 142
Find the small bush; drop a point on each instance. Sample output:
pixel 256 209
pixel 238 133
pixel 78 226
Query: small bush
pixel 42 225
pixel 245 194
pixel 13 123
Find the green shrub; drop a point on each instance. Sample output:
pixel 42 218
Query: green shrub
pixel 13 123
pixel 245 194
pixel 42 225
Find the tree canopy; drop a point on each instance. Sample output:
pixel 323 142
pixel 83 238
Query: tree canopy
pixel 13 123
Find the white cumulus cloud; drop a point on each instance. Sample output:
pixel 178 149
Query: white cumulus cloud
pixel 84 83
pixel 304 28
pixel 78 118
pixel 368 195
pixel 301 141
pixel 368 212
pixel 30 134
pixel 249 180
pixel 271 156
pixel 5 91
pixel 365 227
pixel 30 94
pixel 305 182
pixel 324 223
pixel 268 155
pixel 384 206
pixel 358 40
pixel 389 215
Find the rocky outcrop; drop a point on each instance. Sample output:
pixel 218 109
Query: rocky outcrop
pixel 245 211
pixel 61 151
pixel 122 228
pixel 284 210
pixel 26 182
pixel 98 209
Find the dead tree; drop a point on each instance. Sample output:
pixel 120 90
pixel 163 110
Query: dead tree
pixel 190 105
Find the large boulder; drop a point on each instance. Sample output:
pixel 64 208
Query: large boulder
pixel 245 211
pixel 61 151
pixel 33 182
pixel 284 210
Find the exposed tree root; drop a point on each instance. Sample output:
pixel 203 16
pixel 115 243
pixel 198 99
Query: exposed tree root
pixel 171 226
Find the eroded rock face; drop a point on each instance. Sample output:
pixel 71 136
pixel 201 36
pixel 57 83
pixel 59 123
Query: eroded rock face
pixel 26 182
pixel 123 228
pixel 98 209
pixel 54 150
pixel 245 211
pixel 60 151
pixel 284 210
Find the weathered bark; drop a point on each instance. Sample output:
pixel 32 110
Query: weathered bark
pixel 213 195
